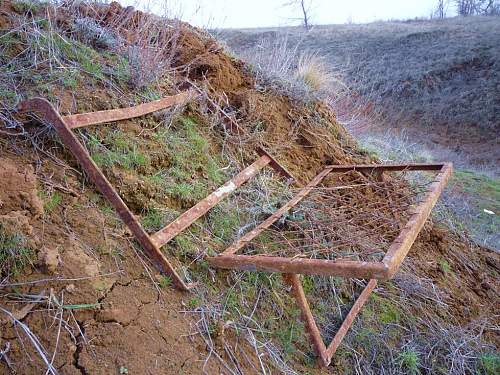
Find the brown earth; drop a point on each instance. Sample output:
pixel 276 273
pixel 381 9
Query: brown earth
pixel 131 325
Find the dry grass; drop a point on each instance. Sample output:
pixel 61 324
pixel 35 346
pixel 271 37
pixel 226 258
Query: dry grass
pixel 313 70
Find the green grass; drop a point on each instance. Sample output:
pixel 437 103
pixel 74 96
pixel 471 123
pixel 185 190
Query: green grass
pixel 444 266
pixel 117 150
pixel 489 364
pixel 25 6
pixel 119 68
pixel 224 222
pixel 185 245
pixel 475 202
pixel 165 282
pixel 194 171
pixel 15 255
pixel 409 361
pixel 194 302
pixel 382 310
pixel 480 185
pixel 154 220
pixel 50 202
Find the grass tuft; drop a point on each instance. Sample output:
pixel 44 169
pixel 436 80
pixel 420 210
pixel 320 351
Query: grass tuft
pixel 489 364
pixel 314 72
pixel 409 361
pixel 15 254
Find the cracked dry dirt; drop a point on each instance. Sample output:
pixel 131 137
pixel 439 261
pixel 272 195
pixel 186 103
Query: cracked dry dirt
pixel 145 326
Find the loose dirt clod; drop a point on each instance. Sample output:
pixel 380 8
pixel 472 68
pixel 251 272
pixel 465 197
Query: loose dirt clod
pixel 49 260
pixel 19 188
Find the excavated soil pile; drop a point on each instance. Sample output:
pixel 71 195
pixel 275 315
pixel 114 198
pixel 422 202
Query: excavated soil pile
pixel 85 270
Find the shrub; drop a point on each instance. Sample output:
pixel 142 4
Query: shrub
pixel 89 32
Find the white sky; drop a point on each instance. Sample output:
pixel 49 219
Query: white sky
pixel 262 13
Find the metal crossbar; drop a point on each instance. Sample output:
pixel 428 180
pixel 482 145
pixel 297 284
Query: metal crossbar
pixel 150 243
pixel 291 267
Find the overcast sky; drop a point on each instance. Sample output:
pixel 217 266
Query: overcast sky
pixel 262 13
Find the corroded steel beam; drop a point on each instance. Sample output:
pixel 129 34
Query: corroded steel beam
pixel 325 353
pixel 402 244
pixel 297 291
pixel 349 319
pixel 387 167
pixel 275 165
pixel 187 218
pixel 369 270
pixel 94 118
pixel 305 266
pixel 48 112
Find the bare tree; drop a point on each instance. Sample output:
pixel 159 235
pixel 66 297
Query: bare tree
pixel 483 7
pixel 491 8
pixel 305 8
pixel 441 8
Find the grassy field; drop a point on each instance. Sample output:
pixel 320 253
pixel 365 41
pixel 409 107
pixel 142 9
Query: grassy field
pixel 440 78
pixel 415 90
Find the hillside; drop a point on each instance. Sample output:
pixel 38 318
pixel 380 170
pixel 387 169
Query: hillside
pixel 79 296
pixel 439 79
pixel 420 90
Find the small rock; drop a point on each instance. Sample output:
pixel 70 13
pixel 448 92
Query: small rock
pixel 70 288
pixel 49 259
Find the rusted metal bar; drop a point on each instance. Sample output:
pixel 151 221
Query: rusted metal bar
pixel 345 268
pixel 387 167
pixel 346 324
pixel 42 106
pixel 325 353
pixel 402 244
pixel 275 216
pixel 187 218
pixel 275 165
pixel 94 118
pixel 312 329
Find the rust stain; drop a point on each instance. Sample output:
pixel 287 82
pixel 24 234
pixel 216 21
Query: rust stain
pixel 100 117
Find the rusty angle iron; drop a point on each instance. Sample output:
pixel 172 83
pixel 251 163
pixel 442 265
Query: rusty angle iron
pixel 290 268
pixel 150 243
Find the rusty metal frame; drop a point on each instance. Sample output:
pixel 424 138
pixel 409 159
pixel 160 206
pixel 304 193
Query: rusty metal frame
pixel 289 267
pixel 150 243
pixel 339 267
pixel 292 267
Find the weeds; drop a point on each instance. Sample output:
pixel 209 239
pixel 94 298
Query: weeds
pixel 89 32
pixel 409 361
pixel 15 254
pixel 165 282
pixel 51 201
pixel 315 73
pixel 489 364
pixel 154 220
